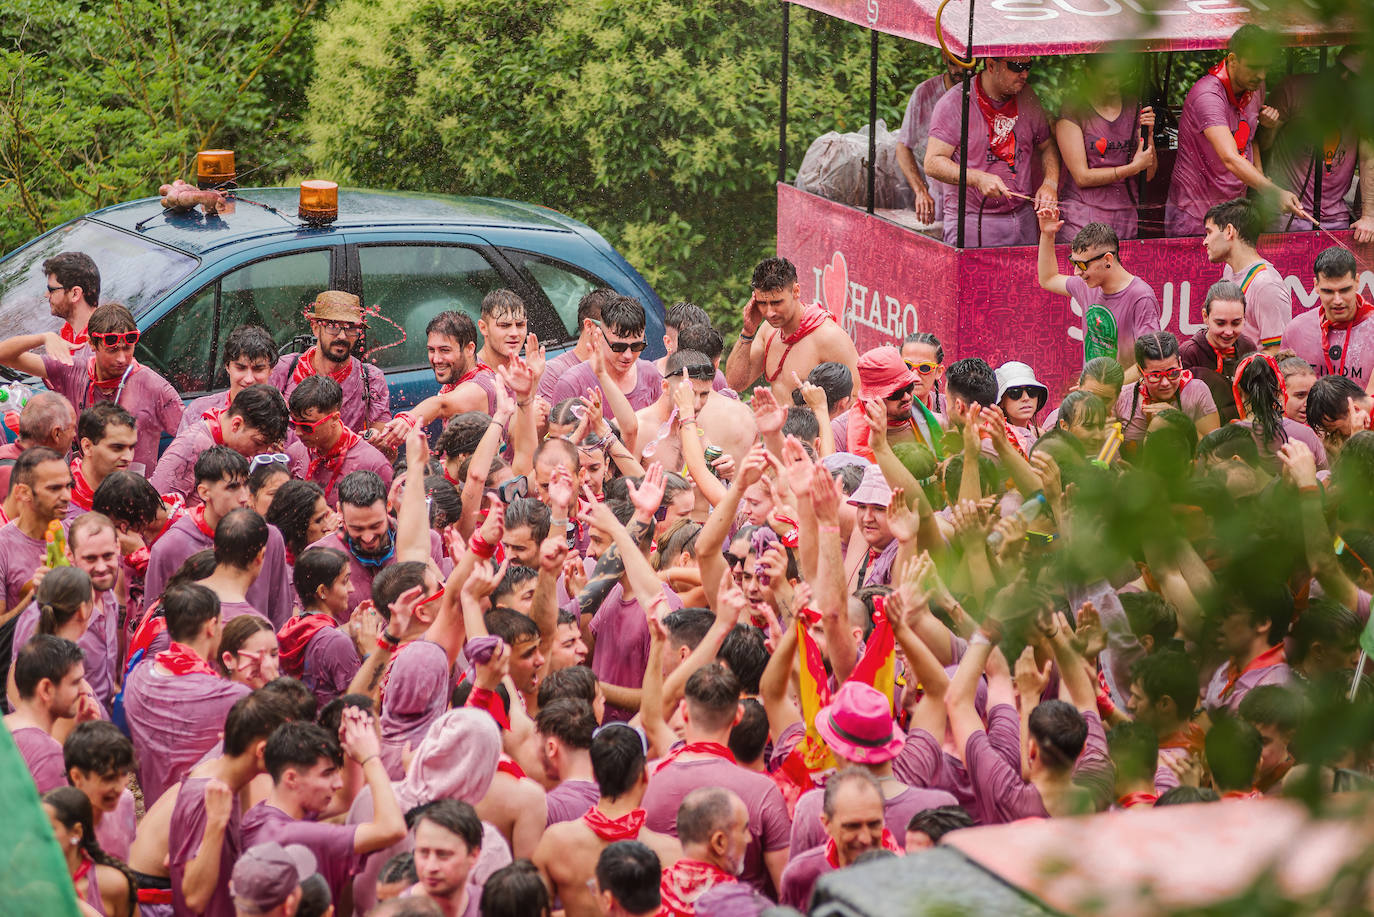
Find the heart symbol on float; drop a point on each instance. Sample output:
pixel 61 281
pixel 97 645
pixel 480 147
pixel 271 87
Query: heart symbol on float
pixel 835 285
pixel 1101 146
pixel 1242 136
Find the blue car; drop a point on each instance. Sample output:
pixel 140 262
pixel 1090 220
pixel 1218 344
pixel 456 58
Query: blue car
pixel 191 279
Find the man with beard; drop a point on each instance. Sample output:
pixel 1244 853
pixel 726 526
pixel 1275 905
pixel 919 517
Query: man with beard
pixel 337 321
pixel 451 346
pixel 42 485
pixel 713 826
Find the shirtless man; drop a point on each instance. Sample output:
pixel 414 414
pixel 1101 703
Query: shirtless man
pixel 728 425
pixel 800 336
pixel 568 852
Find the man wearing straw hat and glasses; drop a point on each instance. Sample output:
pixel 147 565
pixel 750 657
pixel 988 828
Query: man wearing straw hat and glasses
pixel 337 320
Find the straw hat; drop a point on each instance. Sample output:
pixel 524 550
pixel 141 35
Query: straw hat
pixel 335 306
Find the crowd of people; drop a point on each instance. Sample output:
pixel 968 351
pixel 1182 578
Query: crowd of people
pixel 611 636
pixel 1097 159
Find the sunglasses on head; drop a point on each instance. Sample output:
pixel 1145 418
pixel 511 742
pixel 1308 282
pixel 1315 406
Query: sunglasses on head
pixel 643 739
pixel 1163 375
pixel 1081 264
pixel 268 458
pixel 925 367
pixel 622 346
pixel 700 372
pixel 309 426
pixel 116 338
pixel 1017 392
pixel 1017 66
pixel 901 392
pixel 334 327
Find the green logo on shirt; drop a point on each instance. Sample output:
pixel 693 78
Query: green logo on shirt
pixel 1099 333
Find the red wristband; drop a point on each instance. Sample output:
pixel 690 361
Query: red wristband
pixel 479 546
pixel 410 419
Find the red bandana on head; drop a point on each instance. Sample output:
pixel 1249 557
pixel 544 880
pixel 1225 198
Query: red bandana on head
pixel 1240 371
pixel 624 828
pixel 305 368
pixel 1001 125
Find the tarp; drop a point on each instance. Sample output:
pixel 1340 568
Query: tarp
pixel 35 881
pixel 1031 27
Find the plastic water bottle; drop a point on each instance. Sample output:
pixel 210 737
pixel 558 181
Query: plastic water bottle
pixel 1028 512
pixel 14 396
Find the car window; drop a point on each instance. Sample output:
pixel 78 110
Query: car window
pixel 274 293
pixel 562 283
pixel 410 284
pixel 181 344
pixel 134 271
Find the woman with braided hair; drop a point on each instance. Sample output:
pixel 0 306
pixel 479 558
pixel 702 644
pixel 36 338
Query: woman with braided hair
pixel 1163 384
pixel 101 881
pixel 1260 397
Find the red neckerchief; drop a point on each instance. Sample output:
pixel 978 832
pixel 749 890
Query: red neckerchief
pixel 813 317
pixel 697 748
pixel 333 459
pixel 295 635
pixel 1235 384
pixel 180 659
pixel 1221 353
pixel 1184 378
pixel 198 517
pixel 466 377
pixel 490 701
pixel 305 368
pixel 214 413
pixel 106 386
pixel 1242 794
pixel 84 868
pixel 1362 312
pixel 506 765
pixel 213 424
pixel 832 854
pixel 82 492
pixel 1131 800
pixel 152 625
pixel 686 881
pixel 1270 657
pixel 624 828
pixel 1220 72
pixel 71 337
pixel 176 508
pixel 4 517
pixel 1001 125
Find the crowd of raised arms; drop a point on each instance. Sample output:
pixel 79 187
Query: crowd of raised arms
pixel 605 636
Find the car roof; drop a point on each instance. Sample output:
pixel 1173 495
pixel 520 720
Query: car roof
pixel 358 208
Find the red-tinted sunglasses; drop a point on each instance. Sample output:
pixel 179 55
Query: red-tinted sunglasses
pixel 308 426
pixel 116 338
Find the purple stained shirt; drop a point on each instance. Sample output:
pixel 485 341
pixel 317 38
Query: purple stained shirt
pixel 799 879
pixel 1268 302
pixel 414 694
pixel 99 644
pixel 20 555
pixel 621 654
pixel 1107 143
pixel 1129 313
pixel 43 755
pixel 769 826
pixel 648 386
pixel 1008 221
pixel 156 406
pixel 879 570
pixel 185 830
pixel 554 370
pixel 923 762
pixel 196 409
pixel 1354 347
pixel 331 661
pixel 176 470
pixel 570 800
pixel 363 406
pixel 173 720
pixel 1200 178
pixel 807 831
pixel 332 845
pixel 915 131
pixel 362 457
pixel 116 829
pixel 1218 698
pixel 228 611
pixel 360 575
pixel 1292 430
pixel 1290 162
pixel 1194 399
pixel 271 592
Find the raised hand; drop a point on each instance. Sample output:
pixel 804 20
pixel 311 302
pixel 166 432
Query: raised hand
pixel 768 415
pixel 483 580
pixel 1299 464
pixel 648 496
pixel 574 575
pixel 497 667
pixel 494 526
pixel 813 395
pixel 825 496
pixel 219 802
pixel 403 610
pixel 535 359
pixel 753 466
pixel 1030 680
pixel 553 552
pixel 993 424
pixel 684 401
pixel 1090 638
pixel 562 489
pixel 797 467
pixel 752 315
pixel 505 401
pixel 358 735
pixel 875 415
pixel 900 519
pixel 417 448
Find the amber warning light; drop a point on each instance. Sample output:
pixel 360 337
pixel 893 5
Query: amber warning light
pixel 319 201
pixel 215 169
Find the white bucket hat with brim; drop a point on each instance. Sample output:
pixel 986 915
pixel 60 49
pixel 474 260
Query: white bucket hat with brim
pixel 1014 374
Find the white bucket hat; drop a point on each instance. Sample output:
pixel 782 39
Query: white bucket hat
pixel 1015 374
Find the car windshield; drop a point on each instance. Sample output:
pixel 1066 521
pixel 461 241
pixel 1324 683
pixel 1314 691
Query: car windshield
pixel 133 271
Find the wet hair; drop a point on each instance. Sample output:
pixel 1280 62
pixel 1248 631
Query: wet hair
pixel 330 716
pixel 1183 795
pixel 682 536
pixel 624 315
pixel 290 510
pixel 1082 408
pixel 445 506
pixel 564 412
pixel 25 470
pixel 1094 235
pixel 973 380
pixel 462 434
pixel 361 489
pixel 773 274
pixel 685 313
pixel 631 872
pixel 240 536
pixel 96 420
pixel 456 817
pixel 937 822
pixel 1171 674
pixel 1273 705
pixel 589 306
pixel 1239 213
pixel 453 324
pixel 85 524
pixel 515 891
pixel 502 303
pixel 575 681
pixel 98 747
pixel 72 808
pixel 1059 731
pixel 702 338
pixel 1290 364
pixel 1150 614
pixel 1230 441
pixel 749 736
pixel 802 423
pixel 568 719
pixel 314 568
pixel 45 656
pixel 262 474
pixel 703 812
pixel 1223 291
pixel 1105 370
pixel 746 654
pixel 688 626
pixel 842 779
pixel 559 444
pixel 1134 750
pixel 1333 262
pixel 235 634
pixel 220 463
pixel 511 626
pixel 685 361
pixel 1233 750
pixel 1327 622
pixel 299 745
pixel 529 511
pixel 60 597
pixel 111 318
pixel 834 378
pixel 264 409
pixel 400 868
pixel 317 392
pixel 617 759
pixel 713 694
pixel 127 498
pixel 1260 388
pixel 76 269
pixel 1329 400
pixel 187 607
pixel 393 580
pixel 252 719
pixel 252 343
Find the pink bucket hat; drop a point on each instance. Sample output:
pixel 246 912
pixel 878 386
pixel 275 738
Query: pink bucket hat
pixel 882 371
pixel 873 490
pixel 858 725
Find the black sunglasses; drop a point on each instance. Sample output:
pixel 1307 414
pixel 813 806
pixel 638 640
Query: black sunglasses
pixel 1017 392
pixel 1082 263
pixel 1016 67
pixel 901 392
pixel 699 372
pixel 734 560
pixel 622 346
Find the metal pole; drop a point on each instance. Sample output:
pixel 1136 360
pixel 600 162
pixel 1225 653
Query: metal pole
pixel 782 119
pixel 872 115
pixel 969 77
pixel 1318 162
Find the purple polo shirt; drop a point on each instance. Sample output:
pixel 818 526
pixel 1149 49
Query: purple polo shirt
pixel 807 831
pixel 648 386
pixel 1107 143
pixel 176 470
pixel 1007 221
pixel 554 371
pixel 1290 163
pixel 801 875
pixel 173 720
pixel 43 755
pixel 364 404
pixel 99 644
pixel 331 661
pixel 769 826
pixel 415 692
pixel 1355 359
pixel 915 131
pixel 196 409
pixel 331 844
pixel 1194 399
pixel 185 831
pixel 1268 302
pixel 271 592
pixel 156 406
pixel 621 654
pixel 362 457
pixel 1200 178
pixel 1111 322
pixel 360 575
pixel 570 800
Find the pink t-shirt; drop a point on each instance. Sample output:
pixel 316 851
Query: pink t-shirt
pixel 800 877
pixel 1112 321
pixel 176 470
pixel 554 370
pixel 769 826
pixel 43 755
pixel 20 555
pixel 156 406
pixel 580 377
pixel 621 653
pixel 915 131
pixel 1268 302
pixel 807 831
pixel 186 829
pixel 1347 352
pixel 362 457
pixel 196 409
pixel 1292 430
pixel 331 844
pixel 1195 400
pixel 1200 178
pixel 1289 161
pixel 1218 697
pixel 1107 144
pixel 570 800
pixel 363 406
pixel 99 644
pixel 271 592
